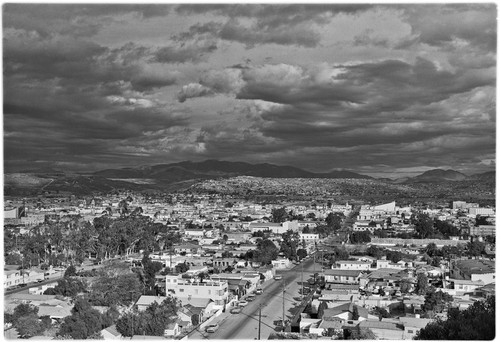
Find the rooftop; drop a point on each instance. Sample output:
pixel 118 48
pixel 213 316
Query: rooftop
pixel 476 266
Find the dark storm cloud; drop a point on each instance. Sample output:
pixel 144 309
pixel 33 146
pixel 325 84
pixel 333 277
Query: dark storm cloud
pixel 274 15
pixel 183 52
pixel 473 23
pixel 277 24
pixel 69 19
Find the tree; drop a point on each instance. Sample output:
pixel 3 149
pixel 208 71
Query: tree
pixel 23 310
pixel 424 225
pixel 289 243
pixel 311 216
pixel 422 284
pixel 477 322
pixel 152 321
pixel 361 237
pixel 405 286
pixel 436 300
pixel 70 287
pixel 431 249
pixel 475 248
pixel 375 252
pixel 279 215
pixel 150 270
pixel 301 253
pixel 182 268
pixel 83 322
pixel 70 272
pixel 116 289
pixel 266 251
pixel 334 221
pixel 29 326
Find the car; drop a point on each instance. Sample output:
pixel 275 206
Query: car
pixel 278 277
pixel 242 303
pixel 212 328
pixel 23 285
pixel 258 291
pixel 250 298
pixel 235 311
pixel 39 280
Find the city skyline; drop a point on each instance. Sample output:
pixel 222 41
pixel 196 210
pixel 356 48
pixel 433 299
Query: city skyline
pixel 382 90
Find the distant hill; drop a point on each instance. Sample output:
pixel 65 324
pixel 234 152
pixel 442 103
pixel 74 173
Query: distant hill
pixel 486 176
pixel 216 168
pixel 438 175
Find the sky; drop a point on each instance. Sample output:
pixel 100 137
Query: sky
pixel 384 90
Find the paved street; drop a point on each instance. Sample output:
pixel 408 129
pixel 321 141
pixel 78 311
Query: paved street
pixel 245 325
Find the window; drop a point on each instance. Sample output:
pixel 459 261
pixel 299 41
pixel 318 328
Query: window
pixel 181 290
pixel 196 291
pixel 410 331
pixel 209 292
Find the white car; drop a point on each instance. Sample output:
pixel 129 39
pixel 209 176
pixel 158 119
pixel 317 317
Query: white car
pixel 242 303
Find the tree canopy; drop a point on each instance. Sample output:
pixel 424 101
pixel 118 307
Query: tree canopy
pixel 477 322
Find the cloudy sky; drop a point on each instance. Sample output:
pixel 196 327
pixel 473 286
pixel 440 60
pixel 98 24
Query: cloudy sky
pixel 385 90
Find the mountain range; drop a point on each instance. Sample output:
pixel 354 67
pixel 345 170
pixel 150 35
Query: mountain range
pixel 180 175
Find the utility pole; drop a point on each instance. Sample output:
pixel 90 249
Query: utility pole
pixel 283 304
pixel 302 282
pixel 260 317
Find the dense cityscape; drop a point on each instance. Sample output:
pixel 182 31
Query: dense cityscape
pixel 204 171
pixel 207 265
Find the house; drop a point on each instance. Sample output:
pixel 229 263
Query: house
pixel 144 301
pixel 473 269
pixel 202 308
pixel 12 278
pixel 309 237
pixel 190 248
pixel 110 333
pixel 329 327
pixel 412 325
pixel 466 285
pixel 485 291
pixel 56 310
pixel 345 312
pixel 384 330
pixel 353 265
pixel 342 276
pixel 225 262
pixel 172 329
pixel 281 263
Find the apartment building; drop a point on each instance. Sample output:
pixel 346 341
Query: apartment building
pixel 214 290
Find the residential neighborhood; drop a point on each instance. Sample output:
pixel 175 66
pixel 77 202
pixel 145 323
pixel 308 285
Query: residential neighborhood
pixel 382 269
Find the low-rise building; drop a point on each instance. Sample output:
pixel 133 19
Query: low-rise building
pixel 473 269
pixel 342 276
pixel 214 290
pixel 353 265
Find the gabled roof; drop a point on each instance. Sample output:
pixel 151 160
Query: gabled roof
pixel 347 273
pixel 380 325
pixel 148 300
pixel 112 330
pixel 414 322
pixel 347 307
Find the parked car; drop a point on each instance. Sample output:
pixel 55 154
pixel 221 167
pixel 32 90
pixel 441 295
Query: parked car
pixel 258 291
pixel 235 310
pixel 242 303
pixel 212 328
pixel 250 297
pixel 278 277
